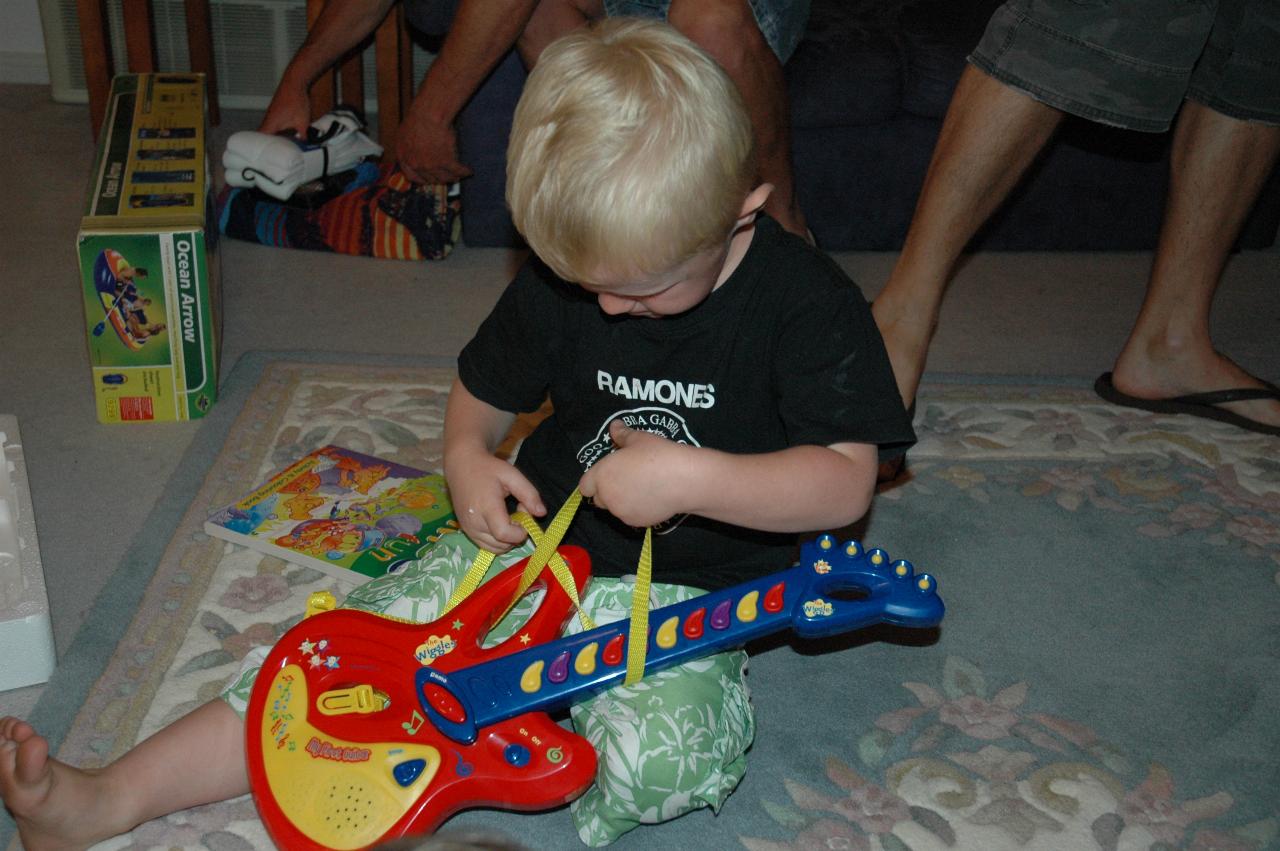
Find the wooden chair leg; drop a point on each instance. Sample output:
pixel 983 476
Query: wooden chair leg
pixel 200 50
pixel 95 45
pixel 140 48
pixel 388 51
pixel 351 81
pixel 404 65
pixel 139 42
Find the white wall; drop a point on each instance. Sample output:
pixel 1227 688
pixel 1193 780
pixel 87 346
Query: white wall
pixel 22 57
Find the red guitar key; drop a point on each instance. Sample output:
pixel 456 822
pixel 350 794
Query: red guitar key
pixel 613 650
pixel 773 599
pixel 693 625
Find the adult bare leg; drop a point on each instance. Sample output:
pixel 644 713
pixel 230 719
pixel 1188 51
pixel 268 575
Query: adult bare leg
pixel 196 760
pixel 482 31
pixel 727 30
pixel 552 19
pixel 1217 168
pixel 990 135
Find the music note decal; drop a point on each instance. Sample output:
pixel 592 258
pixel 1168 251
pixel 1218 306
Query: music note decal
pixel 413 724
pixel 464 768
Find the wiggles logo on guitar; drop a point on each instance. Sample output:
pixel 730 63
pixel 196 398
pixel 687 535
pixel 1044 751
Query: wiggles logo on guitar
pixel 818 608
pixel 433 648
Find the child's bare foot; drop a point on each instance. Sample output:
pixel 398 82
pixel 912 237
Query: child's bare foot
pixel 55 806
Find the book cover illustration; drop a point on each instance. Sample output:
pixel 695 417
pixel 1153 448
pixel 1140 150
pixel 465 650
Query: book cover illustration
pixel 348 514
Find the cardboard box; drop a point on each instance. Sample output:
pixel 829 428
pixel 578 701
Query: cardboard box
pixel 148 254
pixel 26 632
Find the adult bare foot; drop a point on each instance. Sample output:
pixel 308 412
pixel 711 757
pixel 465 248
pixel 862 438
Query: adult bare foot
pixel 55 806
pixel 1163 375
pixel 906 340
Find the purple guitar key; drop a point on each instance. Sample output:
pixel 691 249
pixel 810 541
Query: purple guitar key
pixel 559 670
pixel 720 617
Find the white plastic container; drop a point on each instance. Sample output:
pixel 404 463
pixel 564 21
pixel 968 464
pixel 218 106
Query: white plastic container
pixel 26 633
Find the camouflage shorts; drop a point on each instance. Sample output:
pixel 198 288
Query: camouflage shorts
pixel 674 742
pixel 1130 63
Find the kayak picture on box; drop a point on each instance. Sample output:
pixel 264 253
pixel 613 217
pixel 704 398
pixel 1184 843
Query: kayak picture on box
pixel 127 306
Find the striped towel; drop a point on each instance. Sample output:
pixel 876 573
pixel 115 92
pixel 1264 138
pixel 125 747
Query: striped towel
pixel 371 211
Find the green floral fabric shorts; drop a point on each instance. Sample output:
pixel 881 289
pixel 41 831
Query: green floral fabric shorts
pixel 675 741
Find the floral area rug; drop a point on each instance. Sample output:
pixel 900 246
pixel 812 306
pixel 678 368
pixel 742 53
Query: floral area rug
pixel 1107 675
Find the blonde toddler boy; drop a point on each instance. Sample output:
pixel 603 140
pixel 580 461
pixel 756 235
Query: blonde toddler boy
pixel 712 377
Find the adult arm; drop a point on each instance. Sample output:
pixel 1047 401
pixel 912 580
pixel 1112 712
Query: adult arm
pixel 482 32
pixel 340 27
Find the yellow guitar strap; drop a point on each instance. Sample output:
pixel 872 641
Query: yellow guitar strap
pixel 544 553
pixel 471 581
pixel 638 640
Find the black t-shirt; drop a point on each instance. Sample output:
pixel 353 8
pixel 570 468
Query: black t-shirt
pixel 784 353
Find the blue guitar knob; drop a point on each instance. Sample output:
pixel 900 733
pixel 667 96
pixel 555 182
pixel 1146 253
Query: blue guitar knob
pixel 407 772
pixel 517 755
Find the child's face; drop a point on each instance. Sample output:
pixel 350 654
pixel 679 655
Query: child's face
pixel 654 296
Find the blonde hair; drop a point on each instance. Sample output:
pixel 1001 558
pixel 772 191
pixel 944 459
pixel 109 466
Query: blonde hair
pixel 630 152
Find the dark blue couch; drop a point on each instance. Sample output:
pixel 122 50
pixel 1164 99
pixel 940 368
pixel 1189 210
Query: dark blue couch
pixel 869 86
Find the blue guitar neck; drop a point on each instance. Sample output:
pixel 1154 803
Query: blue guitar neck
pixel 835 588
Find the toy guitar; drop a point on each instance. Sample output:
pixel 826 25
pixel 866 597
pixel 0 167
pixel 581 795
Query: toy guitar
pixel 339 753
pixel 480 736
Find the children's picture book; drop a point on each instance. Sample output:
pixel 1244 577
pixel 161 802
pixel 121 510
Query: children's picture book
pixel 350 515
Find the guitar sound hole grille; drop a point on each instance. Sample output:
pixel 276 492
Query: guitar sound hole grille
pixel 348 807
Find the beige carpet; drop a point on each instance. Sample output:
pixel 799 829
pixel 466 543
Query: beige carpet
pixel 1029 723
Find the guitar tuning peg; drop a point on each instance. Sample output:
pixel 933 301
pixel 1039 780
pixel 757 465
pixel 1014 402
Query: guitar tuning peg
pixel 852 549
pixel 903 569
pixel 878 558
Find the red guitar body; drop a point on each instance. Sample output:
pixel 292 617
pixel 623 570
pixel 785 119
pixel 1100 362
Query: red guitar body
pixel 340 754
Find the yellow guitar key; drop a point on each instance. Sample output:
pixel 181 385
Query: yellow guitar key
pixel 666 637
pixel 585 662
pixel 531 679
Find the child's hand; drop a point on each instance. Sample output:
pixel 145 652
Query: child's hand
pixel 642 481
pixel 479 486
